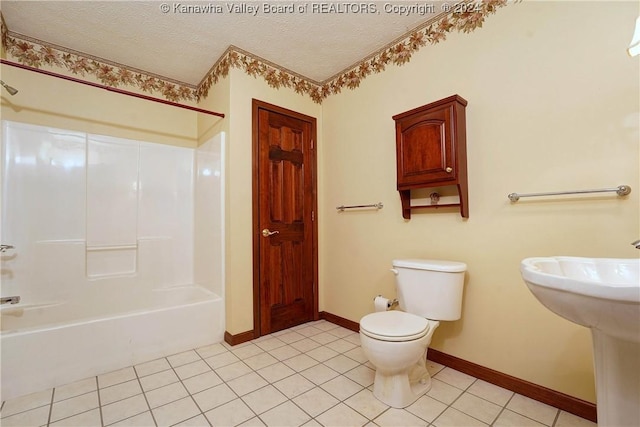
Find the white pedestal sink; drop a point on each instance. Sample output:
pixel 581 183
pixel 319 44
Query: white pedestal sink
pixel 602 294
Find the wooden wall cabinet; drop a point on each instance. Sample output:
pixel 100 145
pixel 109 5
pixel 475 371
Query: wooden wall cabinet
pixel 431 151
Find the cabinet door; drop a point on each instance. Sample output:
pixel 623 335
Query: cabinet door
pixel 425 148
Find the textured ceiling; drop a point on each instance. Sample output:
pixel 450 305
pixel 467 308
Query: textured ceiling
pixel 182 40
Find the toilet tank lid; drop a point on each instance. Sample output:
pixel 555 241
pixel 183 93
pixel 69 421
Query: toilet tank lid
pixel 431 265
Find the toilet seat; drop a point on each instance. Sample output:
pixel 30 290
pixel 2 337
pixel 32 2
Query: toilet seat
pixel 394 326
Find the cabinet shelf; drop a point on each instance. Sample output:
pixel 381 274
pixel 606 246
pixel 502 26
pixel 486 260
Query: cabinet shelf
pixel 431 151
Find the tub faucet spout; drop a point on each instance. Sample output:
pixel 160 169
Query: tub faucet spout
pixel 10 300
pixel 4 248
pixel 636 244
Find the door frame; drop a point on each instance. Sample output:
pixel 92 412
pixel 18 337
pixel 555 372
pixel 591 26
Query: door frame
pixel 256 106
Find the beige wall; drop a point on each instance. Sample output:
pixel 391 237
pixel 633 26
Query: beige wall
pixel 48 101
pixel 553 105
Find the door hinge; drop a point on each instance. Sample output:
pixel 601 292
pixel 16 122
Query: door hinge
pixel 313 215
pixel 312 144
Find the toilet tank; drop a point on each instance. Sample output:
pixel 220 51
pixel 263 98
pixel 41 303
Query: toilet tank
pixel 430 288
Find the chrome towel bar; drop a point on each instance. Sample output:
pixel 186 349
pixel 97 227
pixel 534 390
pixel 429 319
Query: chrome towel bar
pixel 621 190
pixel 375 205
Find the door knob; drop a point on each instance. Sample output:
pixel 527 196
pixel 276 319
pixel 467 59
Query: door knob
pixel 266 232
pixel 448 169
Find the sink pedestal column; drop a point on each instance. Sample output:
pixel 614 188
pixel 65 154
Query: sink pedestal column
pixel 617 366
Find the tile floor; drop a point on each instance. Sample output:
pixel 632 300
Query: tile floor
pixel 313 375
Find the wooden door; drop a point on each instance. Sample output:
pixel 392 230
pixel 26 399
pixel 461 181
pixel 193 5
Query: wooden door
pixel 284 228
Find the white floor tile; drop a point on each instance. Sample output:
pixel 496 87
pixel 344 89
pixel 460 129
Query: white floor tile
pixel 451 417
pixel 183 358
pixel 202 382
pixel 399 418
pixel 158 380
pixel 285 352
pixel 324 338
pixel 124 409
pixel 116 377
pixel 566 419
pixel 75 389
pixel 119 391
pixel 192 369
pixel 152 367
pixel 25 403
pixel 247 351
pixel 175 412
pixel 276 372
pixel 455 378
pixel 427 408
pixel 319 374
pixel 235 370
pixel 434 367
pixel 356 354
pixel 490 392
pixel 306 345
pixel 214 397
pixel 74 406
pixel 443 392
pixel 221 359
pixel 285 415
pixel 342 332
pixel 533 409
pixel 309 331
pixel 341 346
pixel 270 344
pixel 197 421
pixel 341 387
pixel 341 416
pixel 362 375
pixel 167 394
pixel 322 353
pixel 32 417
pixel 315 401
pixel 508 418
pixel 230 414
pixel 144 419
pixel 366 404
pixel 211 350
pixel 290 337
pixel 341 363
pixel 294 385
pixel 86 419
pixel 253 422
pixel 264 399
pixel 247 383
pixel 260 361
pixel 323 325
pixel 478 408
pixel 300 362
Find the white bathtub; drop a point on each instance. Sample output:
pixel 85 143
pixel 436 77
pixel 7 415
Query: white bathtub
pixel 42 347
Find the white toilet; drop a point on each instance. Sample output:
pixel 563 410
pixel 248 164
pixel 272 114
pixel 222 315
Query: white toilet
pixel 396 341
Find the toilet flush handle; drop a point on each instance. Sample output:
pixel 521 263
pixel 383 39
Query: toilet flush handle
pixel 394 271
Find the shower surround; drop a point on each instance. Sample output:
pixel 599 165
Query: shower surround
pixel 118 253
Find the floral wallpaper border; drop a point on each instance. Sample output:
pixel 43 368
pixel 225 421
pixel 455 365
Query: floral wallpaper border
pixel 36 53
pixel 398 53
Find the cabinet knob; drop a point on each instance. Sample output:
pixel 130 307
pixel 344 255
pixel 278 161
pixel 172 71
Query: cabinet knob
pixel 448 169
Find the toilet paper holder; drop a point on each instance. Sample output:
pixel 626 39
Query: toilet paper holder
pixel 391 304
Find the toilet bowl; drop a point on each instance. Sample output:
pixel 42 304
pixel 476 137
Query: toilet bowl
pixel 396 343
